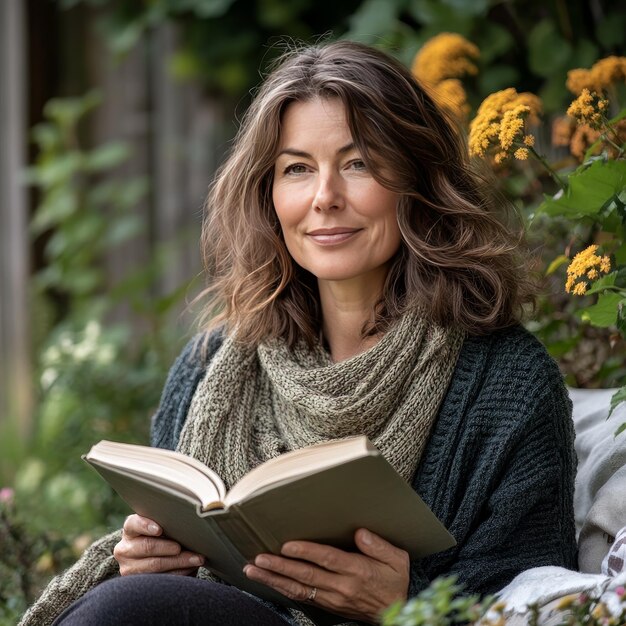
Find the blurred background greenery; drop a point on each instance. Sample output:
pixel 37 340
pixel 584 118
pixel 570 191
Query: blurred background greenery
pixel 122 110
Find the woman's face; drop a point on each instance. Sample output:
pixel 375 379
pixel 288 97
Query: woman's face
pixel 337 221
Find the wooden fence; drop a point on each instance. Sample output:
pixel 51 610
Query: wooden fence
pixel 15 379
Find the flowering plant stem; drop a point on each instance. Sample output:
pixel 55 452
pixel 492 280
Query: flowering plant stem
pixel 555 177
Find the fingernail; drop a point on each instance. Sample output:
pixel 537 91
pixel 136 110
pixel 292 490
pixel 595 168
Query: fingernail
pixel 246 568
pixel 262 561
pixel 153 528
pixel 196 560
pixel 366 537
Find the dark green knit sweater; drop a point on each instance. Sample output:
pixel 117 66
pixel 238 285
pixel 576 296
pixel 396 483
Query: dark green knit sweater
pixel 498 469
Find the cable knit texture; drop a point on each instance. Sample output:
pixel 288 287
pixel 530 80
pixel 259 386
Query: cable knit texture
pixel 498 469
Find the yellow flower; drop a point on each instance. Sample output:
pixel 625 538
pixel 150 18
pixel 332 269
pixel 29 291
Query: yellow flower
pixel 533 103
pixel 521 154
pixel 450 95
pixel 600 611
pixel 593 274
pixel 447 55
pixel 579 79
pixel 603 74
pixel 609 71
pixel 566 601
pixel 440 63
pixel 512 126
pixel 586 109
pixel 582 139
pixel 579 289
pixel 585 265
pixel 500 121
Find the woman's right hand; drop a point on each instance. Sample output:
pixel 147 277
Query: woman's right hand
pixel 143 551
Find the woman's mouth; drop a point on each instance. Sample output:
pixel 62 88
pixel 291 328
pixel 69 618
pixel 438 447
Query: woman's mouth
pixel 330 236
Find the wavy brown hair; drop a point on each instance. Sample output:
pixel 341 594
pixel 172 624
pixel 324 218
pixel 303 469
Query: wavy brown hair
pixel 460 259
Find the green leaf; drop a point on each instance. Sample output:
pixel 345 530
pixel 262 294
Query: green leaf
pixel 610 30
pixel 618 397
pixel 47 136
pixel 67 111
pixel 560 260
pixel 207 8
pixel 497 77
pixel 585 54
pixel 620 277
pixel 122 229
pixel 604 313
pixel 185 65
pixel 106 157
pixel 59 169
pixel 621 429
pixel 621 317
pixel 589 189
pixel 373 18
pixel 55 208
pixel 553 91
pixel 602 283
pixel 440 16
pixel 549 52
pixel 468 7
pixel 124 37
pixel 493 41
pixel 559 348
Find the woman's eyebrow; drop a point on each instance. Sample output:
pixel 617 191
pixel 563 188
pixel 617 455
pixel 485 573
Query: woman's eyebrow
pixel 306 155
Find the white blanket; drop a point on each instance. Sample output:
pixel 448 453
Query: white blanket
pixel 600 494
pixel 544 586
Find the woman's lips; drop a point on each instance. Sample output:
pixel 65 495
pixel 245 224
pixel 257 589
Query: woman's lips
pixel 330 236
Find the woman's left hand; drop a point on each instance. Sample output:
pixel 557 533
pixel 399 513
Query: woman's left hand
pixel 355 585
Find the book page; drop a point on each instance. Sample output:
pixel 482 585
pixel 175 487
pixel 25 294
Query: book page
pixel 172 469
pixel 299 463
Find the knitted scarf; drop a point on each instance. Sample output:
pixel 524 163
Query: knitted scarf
pixel 257 403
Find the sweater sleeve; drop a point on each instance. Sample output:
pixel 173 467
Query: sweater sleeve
pixel 500 469
pixel 94 566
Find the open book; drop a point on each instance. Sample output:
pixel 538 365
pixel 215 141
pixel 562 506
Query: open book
pixel 321 493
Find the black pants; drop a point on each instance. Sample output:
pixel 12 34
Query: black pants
pixel 151 599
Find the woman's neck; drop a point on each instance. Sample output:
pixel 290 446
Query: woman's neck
pixel 345 312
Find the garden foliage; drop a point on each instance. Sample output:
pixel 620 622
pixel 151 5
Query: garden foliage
pixel 501 70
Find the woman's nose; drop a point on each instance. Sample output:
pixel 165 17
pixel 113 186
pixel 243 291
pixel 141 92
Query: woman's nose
pixel 328 195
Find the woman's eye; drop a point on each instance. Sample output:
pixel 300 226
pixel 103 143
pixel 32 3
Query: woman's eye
pixel 296 168
pixel 358 165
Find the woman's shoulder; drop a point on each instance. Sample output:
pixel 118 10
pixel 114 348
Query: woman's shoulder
pixel 199 350
pixel 508 354
pixel 181 383
pixel 507 375
pixel 505 387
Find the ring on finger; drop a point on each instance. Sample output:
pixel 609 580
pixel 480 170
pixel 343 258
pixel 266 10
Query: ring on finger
pixel 312 594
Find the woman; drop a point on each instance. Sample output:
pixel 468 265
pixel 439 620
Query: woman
pixel 367 285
